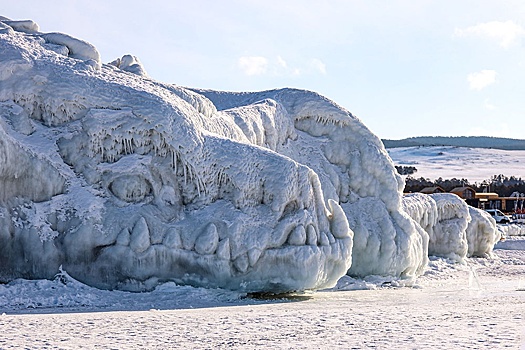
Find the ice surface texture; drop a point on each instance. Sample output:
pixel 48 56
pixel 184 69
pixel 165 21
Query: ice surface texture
pixel 351 163
pixel 455 229
pixel 482 233
pixel 126 182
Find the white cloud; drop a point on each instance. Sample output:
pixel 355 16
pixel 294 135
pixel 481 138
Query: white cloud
pixel 480 80
pixel 488 105
pixel 505 33
pixel 281 62
pixel 253 65
pixel 499 129
pixel 318 65
pixel 278 66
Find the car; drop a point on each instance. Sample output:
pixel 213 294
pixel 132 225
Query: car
pixel 499 216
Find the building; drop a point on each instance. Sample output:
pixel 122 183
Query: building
pixel 468 194
pixel 433 189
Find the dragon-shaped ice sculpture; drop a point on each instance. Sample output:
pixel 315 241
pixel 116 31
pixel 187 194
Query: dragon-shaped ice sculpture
pixel 126 182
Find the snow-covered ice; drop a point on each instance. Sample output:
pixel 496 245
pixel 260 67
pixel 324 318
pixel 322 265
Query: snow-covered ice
pixel 447 162
pixel 352 165
pixel 482 233
pixel 448 238
pixel 477 305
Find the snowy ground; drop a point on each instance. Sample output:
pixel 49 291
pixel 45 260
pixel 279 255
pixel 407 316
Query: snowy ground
pixel 474 164
pixel 479 305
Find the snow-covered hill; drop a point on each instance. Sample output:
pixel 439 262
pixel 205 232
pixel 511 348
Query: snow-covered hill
pixel 473 164
pixel 458 141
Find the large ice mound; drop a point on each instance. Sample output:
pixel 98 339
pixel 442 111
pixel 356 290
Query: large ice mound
pixel 455 229
pixel 482 233
pixel 126 182
pixel 353 167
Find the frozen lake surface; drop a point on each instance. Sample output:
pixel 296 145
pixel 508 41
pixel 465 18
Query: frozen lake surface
pixel 447 162
pixel 479 305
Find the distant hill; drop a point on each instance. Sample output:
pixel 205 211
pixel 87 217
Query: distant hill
pixel 459 141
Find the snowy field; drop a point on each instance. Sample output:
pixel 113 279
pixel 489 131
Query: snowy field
pixel 477 305
pixel 447 162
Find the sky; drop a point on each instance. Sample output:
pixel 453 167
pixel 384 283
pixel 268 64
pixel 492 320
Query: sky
pixel 405 68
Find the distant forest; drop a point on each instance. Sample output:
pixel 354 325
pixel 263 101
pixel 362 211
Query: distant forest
pixel 501 184
pixel 460 141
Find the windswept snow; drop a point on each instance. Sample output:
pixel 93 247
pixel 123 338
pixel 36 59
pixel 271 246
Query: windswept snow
pixel 476 305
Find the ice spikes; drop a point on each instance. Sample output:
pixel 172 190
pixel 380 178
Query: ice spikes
pixel 208 240
pixel 338 221
pixel 123 237
pixel 323 239
pixel 223 250
pixel 253 256
pixel 172 239
pixel 298 236
pixel 140 239
pixel 242 263
pixel 311 235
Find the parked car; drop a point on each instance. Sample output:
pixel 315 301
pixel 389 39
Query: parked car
pixel 518 218
pixel 499 216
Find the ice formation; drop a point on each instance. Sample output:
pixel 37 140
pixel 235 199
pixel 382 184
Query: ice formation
pixel 448 238
pixel 511 230
pixel 140 182
pixel 351 163
pixel 456 230
pixel 126 182
pixel 482 234
pixel 130 63
pixel 445 217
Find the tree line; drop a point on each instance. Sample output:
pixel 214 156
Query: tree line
pixel 501 184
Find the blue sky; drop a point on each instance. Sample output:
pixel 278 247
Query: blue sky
pixel 405 68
